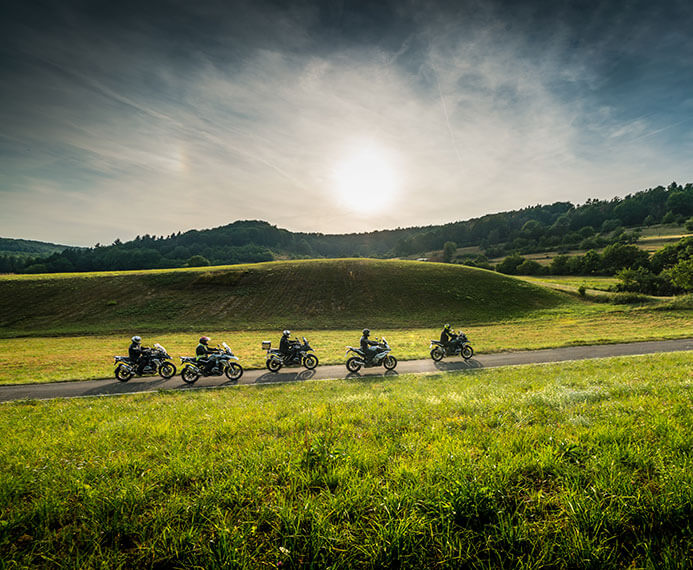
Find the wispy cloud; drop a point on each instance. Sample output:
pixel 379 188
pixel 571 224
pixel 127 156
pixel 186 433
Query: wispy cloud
pixel 126 136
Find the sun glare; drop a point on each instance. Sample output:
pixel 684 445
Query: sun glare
pixel 365 179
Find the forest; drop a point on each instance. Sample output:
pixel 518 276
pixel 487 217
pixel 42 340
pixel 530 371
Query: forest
pixel 560 226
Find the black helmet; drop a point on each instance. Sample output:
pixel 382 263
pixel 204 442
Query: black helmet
pixel 447 326
pixel 204 339
pixel 366 332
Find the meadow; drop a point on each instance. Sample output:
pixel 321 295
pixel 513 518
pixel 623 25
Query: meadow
pixel 49 359
pixel 69 326
pixel 573 465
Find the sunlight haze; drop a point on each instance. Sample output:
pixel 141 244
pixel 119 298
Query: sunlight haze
pixel 132 118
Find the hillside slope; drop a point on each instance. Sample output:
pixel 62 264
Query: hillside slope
pixel 307 294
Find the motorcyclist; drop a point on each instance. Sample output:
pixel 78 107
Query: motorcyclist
pixel 137 354
pixel 203 351
pixel 368 347
pixel 448 336
pixel 287 347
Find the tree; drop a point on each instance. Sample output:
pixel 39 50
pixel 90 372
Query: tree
pixel 559 265
pixel 510 264
pixel 197 261
pixel 530 267
pixel 620 256
pixel 681 274
pixel 449 250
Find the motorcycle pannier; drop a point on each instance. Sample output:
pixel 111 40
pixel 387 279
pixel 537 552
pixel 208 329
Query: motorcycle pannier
pixel 266 344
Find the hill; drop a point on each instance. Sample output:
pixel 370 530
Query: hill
pixel 298 294
pixel 28 248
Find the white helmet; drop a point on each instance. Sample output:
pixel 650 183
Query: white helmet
pixel 287 332
pixel 137 339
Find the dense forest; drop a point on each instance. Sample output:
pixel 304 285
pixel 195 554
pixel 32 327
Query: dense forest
pixel 560 226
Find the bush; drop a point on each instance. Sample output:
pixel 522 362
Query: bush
pixel 197 261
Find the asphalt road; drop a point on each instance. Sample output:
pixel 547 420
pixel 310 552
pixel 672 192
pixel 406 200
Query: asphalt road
pixel 109 387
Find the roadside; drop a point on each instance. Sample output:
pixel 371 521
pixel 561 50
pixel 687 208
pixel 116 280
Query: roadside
pixel 112 387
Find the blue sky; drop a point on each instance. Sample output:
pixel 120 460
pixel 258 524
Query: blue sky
pixel 118 119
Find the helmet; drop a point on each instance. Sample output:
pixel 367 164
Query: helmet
pixel 366 332
pixel 447 326
pixel 204 339
pixel 287 332
pixel 137 339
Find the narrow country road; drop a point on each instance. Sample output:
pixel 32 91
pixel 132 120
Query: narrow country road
pixel 257 377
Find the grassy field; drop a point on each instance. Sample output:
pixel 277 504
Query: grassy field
pixel 326 294
pixel 578 465
pixel 573 282
pixel 76 358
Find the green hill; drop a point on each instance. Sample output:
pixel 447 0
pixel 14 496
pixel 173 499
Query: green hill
pixel 28 248
pixel 342 293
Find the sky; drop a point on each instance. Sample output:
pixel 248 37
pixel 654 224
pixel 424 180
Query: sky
pixel 124 118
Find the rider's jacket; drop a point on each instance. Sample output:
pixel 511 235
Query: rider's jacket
pixel 135 351
pixel 202 350
pixel 365 343
pixel 446 336
pixel 284 345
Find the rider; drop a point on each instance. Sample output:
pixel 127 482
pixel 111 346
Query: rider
pixel 287 347
pixel 203 351
pixel 368 347
pixel 136 353
pixel 447 336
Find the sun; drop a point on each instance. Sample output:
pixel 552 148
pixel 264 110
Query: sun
pixel 365 179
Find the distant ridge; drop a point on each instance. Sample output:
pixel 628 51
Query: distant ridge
pixel 558 226
pixel 28 247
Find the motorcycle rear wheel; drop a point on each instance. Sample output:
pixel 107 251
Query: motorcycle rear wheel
pixel 273 365
pixel 390 362
pixel 123 373
pixel 353 364
pixel 467 352
pixel 310 361
pixel 437 353
pixel 167 370
pixel 233 371
pixel 189 375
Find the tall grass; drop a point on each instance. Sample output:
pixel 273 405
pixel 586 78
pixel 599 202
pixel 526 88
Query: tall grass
pixel 582 465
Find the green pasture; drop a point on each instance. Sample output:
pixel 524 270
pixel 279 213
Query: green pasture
pixel 573 465
pixel 312 294
pixel 48 359
pixel 573 282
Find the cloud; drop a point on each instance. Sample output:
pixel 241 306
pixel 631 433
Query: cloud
pixel 205 118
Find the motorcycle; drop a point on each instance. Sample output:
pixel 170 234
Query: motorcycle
pixel 215 364
pixel 156 361
pixel 458 346
pixel 381 356
pixel 300 355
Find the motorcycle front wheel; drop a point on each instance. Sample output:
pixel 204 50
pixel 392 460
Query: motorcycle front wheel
pixel 233 371
pixel 467 352
pixel 273 365
pixel 437 353
pixel 310 361
pixel 390 362
pixel 353 364
pixel 123 373
pixel 189 375
pixel 167 370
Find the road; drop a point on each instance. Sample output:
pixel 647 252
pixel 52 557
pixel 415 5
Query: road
pixel 108 387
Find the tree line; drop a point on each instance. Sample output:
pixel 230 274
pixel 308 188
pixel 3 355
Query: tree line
pixel 559 226
pixel 665 272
